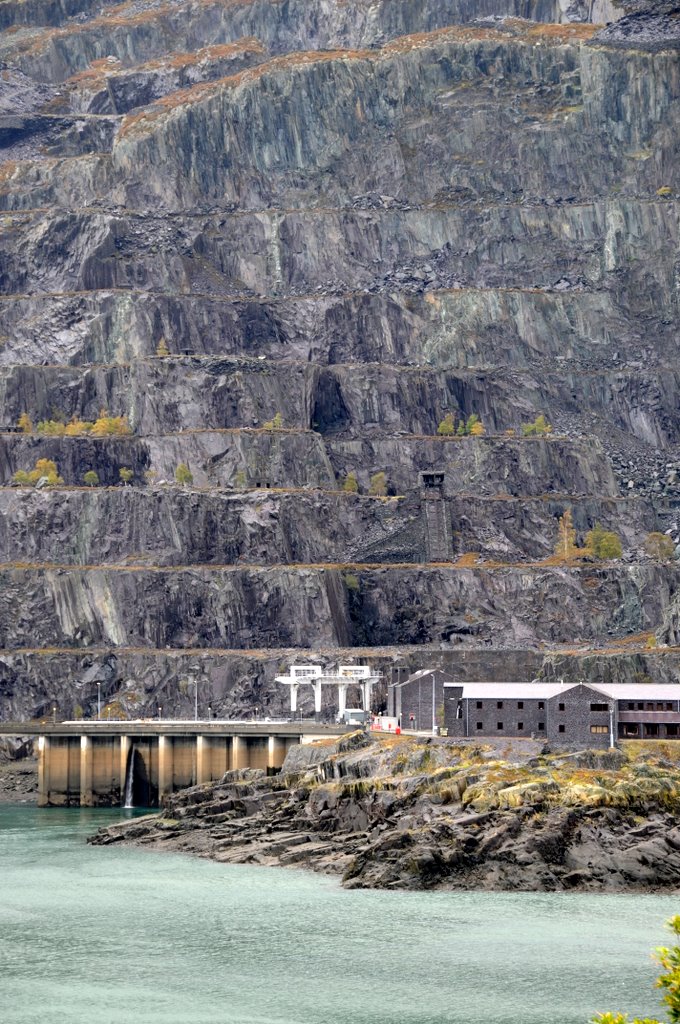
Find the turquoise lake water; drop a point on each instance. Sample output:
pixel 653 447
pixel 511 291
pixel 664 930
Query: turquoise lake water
pixel 93 935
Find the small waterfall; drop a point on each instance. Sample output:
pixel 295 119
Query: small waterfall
pixel 129 781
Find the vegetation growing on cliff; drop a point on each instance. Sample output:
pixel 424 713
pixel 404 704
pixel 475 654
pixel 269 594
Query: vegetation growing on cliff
pixel 470 427
pixel 45 473
pixel 659 546
pixel 104 426
pixel 604 544
pixel 539 428
pixel 183 475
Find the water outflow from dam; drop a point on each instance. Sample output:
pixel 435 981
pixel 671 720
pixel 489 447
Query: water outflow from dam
pixel 92 935
pixel 129 782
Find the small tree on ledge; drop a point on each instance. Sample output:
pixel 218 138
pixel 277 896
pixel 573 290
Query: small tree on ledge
pixel 45 470
pixel 447 426
pixel 125 475
pixel 539 428
pixel 274 424
pixel 659 546
pixel 601 543
pixel 351 485
pixel 183 475
pixel 566 537
pixel 378 485
pixel 91 478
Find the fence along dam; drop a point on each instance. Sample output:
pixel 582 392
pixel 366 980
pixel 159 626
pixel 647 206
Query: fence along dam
pixel 137 764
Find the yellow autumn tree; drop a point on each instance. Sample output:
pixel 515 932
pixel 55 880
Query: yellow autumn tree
pixel 45 470
pixel 566 536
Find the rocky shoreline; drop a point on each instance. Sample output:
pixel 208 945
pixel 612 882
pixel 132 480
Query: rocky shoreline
pixel 399 813
pixel 19 782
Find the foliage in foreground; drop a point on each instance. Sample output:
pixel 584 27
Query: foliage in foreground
pixel 668 980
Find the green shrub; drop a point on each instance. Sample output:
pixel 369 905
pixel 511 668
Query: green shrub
pixel 91 478
pixel 447 426
pixel 351 581
pixel 601 543
pixel 183 475
pixel 378 485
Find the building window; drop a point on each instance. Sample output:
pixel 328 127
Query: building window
pixel 520 726
pixel 541 705
pixel 560 728
pixel 599 729
pixel 520 704
pixel 651 730
pixel 499 704
pixel 669 705
pixel 630 730
pixel 499 726
pixel 561 706
pixel 599 707
pixel 541 726
pixel 480 725
pixel 640 707
pixel 671 730
pixel 479 705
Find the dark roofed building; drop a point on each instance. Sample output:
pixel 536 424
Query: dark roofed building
pixel 416 701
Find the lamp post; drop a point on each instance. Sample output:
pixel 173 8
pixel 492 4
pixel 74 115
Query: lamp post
pixel 196 699
pixel 54 714
pixel 99 700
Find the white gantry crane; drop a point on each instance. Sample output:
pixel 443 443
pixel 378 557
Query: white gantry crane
pixel 316 677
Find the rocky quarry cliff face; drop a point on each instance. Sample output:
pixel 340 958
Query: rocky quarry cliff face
pixel 284 240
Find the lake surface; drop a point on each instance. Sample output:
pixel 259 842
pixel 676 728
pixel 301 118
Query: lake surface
pixel 92 935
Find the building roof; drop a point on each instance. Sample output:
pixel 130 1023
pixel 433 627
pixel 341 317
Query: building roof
pixel 512 690
pixel 421 674
pixel 639 691
pixel 541 691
